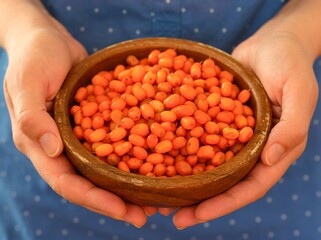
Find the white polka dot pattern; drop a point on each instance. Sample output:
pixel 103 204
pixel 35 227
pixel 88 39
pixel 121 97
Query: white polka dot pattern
pixel 31 210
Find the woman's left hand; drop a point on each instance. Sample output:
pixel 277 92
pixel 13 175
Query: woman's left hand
pixel 285 68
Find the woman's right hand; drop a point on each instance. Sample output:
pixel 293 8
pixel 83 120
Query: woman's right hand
pixel 41 52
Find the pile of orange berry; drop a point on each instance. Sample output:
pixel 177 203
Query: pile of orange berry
pixel 163 115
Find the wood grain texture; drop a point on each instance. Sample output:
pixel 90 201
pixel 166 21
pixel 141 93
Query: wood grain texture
pixel 153 191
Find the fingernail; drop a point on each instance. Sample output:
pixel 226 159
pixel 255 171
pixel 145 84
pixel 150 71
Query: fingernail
pixel 136 226
pixel 180 228
pixel 274 153
pixel 49 144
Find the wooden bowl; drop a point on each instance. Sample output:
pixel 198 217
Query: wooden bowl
pixel 154 191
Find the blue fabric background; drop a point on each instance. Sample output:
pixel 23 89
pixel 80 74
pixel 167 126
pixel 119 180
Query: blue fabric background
pixel 29 209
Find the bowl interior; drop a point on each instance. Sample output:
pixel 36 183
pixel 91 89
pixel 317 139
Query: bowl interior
pixel 153 191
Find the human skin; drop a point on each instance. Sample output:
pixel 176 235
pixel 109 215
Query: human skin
pixel 281 53
pixel 34 75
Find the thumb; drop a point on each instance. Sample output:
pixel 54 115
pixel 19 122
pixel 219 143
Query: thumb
pixel 28 111
pixel 290 134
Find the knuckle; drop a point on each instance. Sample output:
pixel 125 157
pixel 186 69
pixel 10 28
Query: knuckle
pixel 24 120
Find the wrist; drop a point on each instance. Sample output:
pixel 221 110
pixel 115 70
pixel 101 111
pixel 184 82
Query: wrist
pixel 19 19
pixel 300 21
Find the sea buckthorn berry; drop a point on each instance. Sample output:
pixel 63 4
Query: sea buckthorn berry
pixel 101 79
pixel 225 117
pixel 196 70
pixel 251 121
pixel 117 134
pixel 141 129
pixel 81 94
pixel 104 150
pixel 118 104
pixel 157 129
pixel 151 141
pixel 163 115
pixel 247 111
pixel 89 109
pixel 98 122
pixel 97 135
pixel 132 60
pixel 188 91
pixel 136 140
pixel 134 113
pixel 184 110
pixel 226 75
pixel 245 134
pixel 208 72
pixel 119 68
pixel 226 88
pixel 149 90
pixel 209 62
pixel 112 159
pixel 157 105
pixel 172 101
pixel 123 166
pixel 126 123
pixel 240 121
pixel 116 116
pixel 147 111
pixel 218 159
pixel 134 163
pixel 205 152
pixel 192 145
pixel 244 96
pixel 198 168
pixel 183 168
pixel 202 104
pixel 153 57
pixel 164 146
pixel 118 86
pixel 174 79
pixel 122 148
pixel 166 62
pixel 212 139
pixel 78 132
pixel 197 132
pixel 168 116
pixel 86 123
pixel 201 117
pixel 145 168
pixel 227 104
pixel 125 76
pixel 229 155
pixel 179 142
pixel 230 133
pixel 139 152
pixel 213 99
pixel 138 73
pixel 188 123
pixel 159 169
pixel 155 158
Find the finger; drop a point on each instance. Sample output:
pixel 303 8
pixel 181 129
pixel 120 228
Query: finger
pixel 63 179
pixel 292 129
pixel 27 99
pixel 250 189
pixel 86 194
pixel 149 210
pixel 135 215
pixel 185 217
pixel 166 211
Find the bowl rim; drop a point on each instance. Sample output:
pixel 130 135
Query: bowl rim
pixel 74 147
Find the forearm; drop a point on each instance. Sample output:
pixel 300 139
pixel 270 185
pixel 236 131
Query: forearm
pixel 302 19
pixel 18 17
